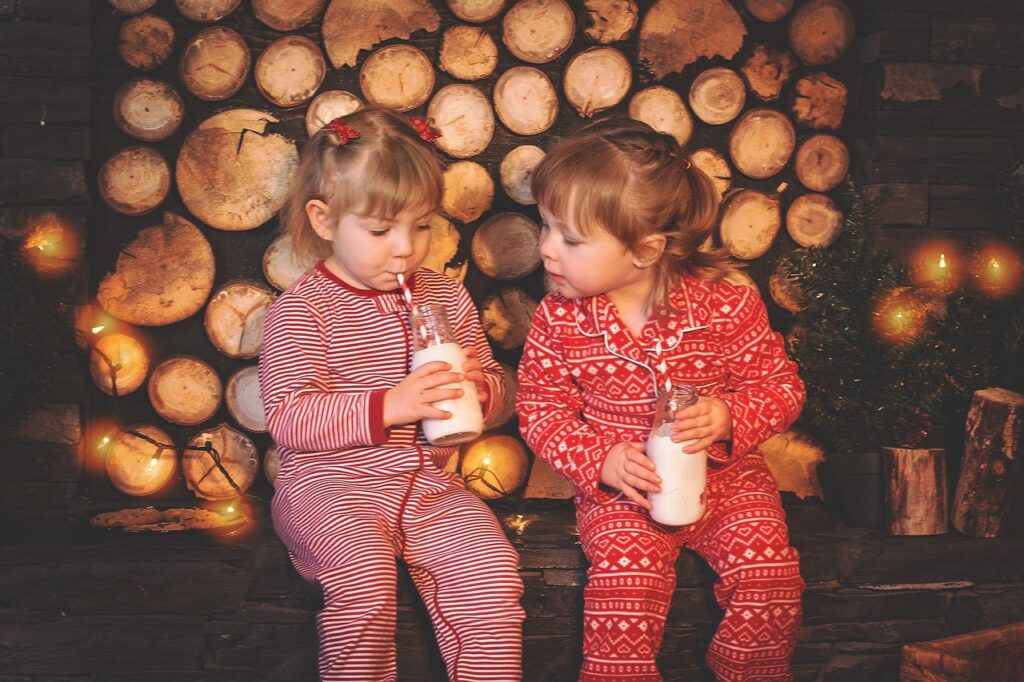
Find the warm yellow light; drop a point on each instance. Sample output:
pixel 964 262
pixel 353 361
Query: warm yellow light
pixel 98 328
pixel 486 461
pixel 50 245
pixel 104 440
pixel 936 265
pixel 997 270
pixel 899 317
pixel 518 523
pixel 121 360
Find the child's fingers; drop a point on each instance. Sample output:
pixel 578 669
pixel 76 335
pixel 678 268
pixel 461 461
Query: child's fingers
pixel 631 493
pixel 431 412
pixel 430 368
pixel 437 394
pixel 439 379
pixel 702 444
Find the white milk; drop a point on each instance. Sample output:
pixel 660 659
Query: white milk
pixel 467 420
pixel 683 479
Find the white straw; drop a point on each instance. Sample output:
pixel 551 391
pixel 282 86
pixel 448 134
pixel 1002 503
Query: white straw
pixel 405 289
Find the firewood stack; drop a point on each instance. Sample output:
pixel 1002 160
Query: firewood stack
pixel 211 101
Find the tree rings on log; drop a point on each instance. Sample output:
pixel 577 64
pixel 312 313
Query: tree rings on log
pixel 242 396
pixel 234 318
pixel 476 11
pixel 717 95
pixel 675 33
pixel 517 172
pixel 820 31
pixel 507 246
pixel 468 191
pixel 768 11
pixel 814 220
pixel 506 317
pixel 538 31
pixel 286 15
pixel 609 21
pixel 353 25
pixel 163 276
pixel 713 165
pixel 463 116
pixel 215 63
pixel 185 390
pixel 148 109
pixel 819 102
pixel 596 79
pixel 397 77
pixel 237 455
pixel 468 53
pixel 328 106
pixel 750 221
pixel 503 415
pixel 118 361
pixel 135 180
pixel 232 174
pixel 131 6
pixel 761 143
pixel 663 109
pixel 282 266
pixel 145 41
pixel 822 162
pixel 137 467
pixel 206 11
pixel 784 290
pixel 289 71
pixel 444 245
pixel 525 100
pixel 767 70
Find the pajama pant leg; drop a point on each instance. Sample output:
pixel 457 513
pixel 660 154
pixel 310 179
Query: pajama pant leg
pixel 745 540
pixel 343 542
pixel 467 573
pixel 629 588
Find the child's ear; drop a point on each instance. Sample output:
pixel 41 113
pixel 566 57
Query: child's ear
pixel 320 219
pixel 649 250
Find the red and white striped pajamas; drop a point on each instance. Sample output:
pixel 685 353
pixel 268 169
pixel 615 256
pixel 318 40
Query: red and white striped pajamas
pixel 586 383
pixel 351 496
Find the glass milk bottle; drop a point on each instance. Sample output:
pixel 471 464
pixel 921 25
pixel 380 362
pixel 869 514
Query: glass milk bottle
pixel 683 474
pixel 433 339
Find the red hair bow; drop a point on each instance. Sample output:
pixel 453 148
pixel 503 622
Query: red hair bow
pixel 427 133
pixel 344 133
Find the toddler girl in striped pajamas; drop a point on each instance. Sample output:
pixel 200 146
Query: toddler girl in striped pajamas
pixel 638 304
pixel 359 485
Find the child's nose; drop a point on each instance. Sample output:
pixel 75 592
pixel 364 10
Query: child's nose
pixel 546 252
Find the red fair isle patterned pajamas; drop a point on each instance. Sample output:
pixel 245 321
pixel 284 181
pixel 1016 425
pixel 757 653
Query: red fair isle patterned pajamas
pixel 585 383
pixel 351 496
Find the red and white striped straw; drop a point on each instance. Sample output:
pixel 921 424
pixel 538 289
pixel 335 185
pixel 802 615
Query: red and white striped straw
pixel 661 368
pixel 405 289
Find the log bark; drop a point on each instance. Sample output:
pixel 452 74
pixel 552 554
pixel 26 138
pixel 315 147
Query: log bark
pixel 206 11
pixel 761 143
pixel 468 53
pixel 814 220
pixel 821 31
pixel 517 172
pixel 147 109
pixel 609 21
pixel 597 79
pixel 134 181
pixel 663 109
pixel 525 100
pixel 991 469
pixel 289 71
pixel 397 77
pixel 538 31
pixel 328 106
pixel 185 390
pixel 822 162
pixel 234 318
pixel 750 221
pixel 676 33
pixel 507 246
pixel 145 42
pixel 767 70
pixel 717 95
pixel 215 63
pixel 916 492
pixel 464 117
pixel 238 456
pixel 819 102
pixel 242 397
pixel 286 15
pixel 468 191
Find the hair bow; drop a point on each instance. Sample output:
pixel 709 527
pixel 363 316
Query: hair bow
pixel 426 132
pixel 344 133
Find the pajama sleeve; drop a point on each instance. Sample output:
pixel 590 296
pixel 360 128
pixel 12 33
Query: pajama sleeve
pixel 549 406
pixel 764 393
pixel 469 333
pixel 302 414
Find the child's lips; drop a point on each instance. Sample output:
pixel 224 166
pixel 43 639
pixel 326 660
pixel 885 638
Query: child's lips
pixel 558 278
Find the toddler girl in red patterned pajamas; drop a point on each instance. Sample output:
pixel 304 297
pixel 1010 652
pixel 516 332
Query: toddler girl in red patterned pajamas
pixel 359 485
pixel 624 216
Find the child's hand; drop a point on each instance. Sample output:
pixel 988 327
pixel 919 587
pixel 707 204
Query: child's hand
pixel 410 400
pixel 707 422
pixel 628 469
pixel 474 371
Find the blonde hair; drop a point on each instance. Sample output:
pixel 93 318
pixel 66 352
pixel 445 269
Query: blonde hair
pixel 384 171
pixel 624 177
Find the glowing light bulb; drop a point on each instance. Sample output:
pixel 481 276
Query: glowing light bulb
pixel 486 460
pixel 98 328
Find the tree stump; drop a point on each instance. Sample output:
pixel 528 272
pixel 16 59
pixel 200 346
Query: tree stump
pixel 185 390
pixel 990 471
pixel 134 181
pixel 507 246
pixel 822 162
pixel 750 221
pixel 717 95
pixel 145 42
pixel 517 172
pixel 147 109
pixel 916 491
pixel 476 11
pixel 814 220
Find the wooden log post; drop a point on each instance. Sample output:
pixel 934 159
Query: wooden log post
pixel 916 490
pixel 990 470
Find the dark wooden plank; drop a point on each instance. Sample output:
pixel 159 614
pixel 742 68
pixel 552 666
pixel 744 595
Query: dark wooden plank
pixel 59 143
pixel 63 11
pixel 33 180
pixel 977 40
pixel 31 100
pixel 30 48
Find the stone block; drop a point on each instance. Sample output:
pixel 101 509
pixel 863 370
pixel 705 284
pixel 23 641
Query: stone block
pixel 911 630
pixel 961 207
pixel 838 605
pixel 859 668
pixel 986 606
pixel 977 40
pixel 58 423
pixel 952 557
